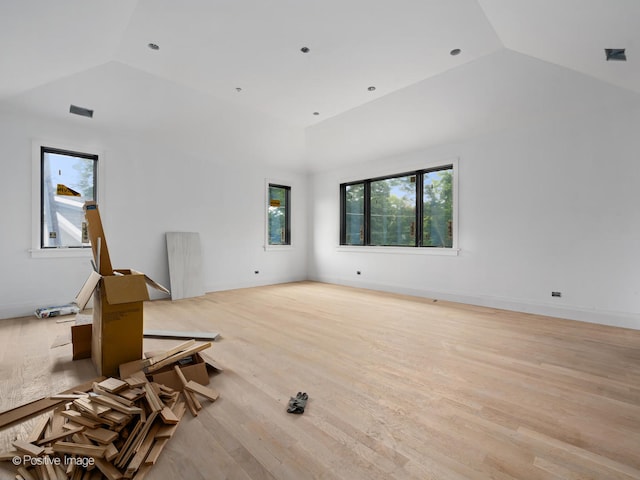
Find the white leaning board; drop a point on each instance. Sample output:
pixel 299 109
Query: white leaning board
pixel 185 264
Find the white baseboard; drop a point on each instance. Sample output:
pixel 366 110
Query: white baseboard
pixel 602 317
pixel 18 310
pixel 258 282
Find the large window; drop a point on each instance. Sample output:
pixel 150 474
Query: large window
pixel 279 215
pixel 67 180
pixel 414 209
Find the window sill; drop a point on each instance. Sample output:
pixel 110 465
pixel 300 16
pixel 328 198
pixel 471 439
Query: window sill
pixel 453 252
pixel 61 253
pixel 278 248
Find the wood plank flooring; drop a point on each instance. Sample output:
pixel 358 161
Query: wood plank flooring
pixel 399 388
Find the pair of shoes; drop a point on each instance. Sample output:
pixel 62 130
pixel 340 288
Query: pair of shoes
pixel 297 404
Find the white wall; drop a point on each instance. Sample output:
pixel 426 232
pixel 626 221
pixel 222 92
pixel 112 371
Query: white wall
pixel 548 194
pixel 155 184
pixel 552 207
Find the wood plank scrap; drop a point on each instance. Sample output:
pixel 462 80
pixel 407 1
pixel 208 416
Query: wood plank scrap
pixel 168 416
pixel 101 435
pixel 161 356
pixel 178 356
pixel 23 412
pixel 206 392
pixel 79 449
pixel 113 385
pixel 60 435
pixel 28 448
pixel 39 429
pixel 111 428
pixel 192 402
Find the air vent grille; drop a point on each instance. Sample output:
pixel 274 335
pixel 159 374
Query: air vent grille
pixel 616 54
pixel 84 112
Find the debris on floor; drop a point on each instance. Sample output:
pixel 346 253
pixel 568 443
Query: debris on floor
pixel 58 310
pixel 179 334
pixel 114 428
pixel 298 403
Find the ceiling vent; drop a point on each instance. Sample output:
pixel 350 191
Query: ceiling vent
pixel 84 112
pixel 617 54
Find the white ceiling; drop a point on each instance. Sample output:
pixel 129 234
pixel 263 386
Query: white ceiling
pixel 216 46
pixel 503 91
pixel 95 54
pixel 573 34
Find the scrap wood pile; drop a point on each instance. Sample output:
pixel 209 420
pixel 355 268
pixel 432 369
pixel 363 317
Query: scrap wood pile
pixel 108 428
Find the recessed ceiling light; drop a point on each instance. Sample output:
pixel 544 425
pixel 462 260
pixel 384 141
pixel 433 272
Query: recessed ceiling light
pixel 153 46
pixel 372 88
pixel 455 51
pixel 316 113
pixel 305 49
pixel 616 54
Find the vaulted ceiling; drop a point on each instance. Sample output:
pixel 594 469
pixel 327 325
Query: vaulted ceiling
pixel 247 55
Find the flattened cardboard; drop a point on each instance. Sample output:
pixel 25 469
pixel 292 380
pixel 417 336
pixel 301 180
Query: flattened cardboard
pixel 85 293
pixel 81 340
pixel 196 371
pixel 98 240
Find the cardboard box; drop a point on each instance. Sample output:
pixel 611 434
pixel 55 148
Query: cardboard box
pixel 117 317
pixel 117 322
pixel 81 340
pixel 118 297
pixel 196 370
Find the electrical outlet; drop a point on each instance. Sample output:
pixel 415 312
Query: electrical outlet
pixel 556 294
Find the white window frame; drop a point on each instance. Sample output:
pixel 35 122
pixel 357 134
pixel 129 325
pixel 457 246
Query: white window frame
pixel 292 209
pixel 36 178
pixel 455 248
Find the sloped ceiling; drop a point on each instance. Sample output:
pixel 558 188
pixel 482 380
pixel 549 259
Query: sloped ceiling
pixel 42 41
pixel 573 34
pixel 501 91
pixel 245 56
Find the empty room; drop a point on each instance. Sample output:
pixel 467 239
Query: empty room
pixel 298 239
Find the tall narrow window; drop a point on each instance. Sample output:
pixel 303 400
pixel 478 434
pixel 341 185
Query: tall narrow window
pixel 67 180
pixel 437 209
pixel 354 214
pixel 279 215
pixel 393 211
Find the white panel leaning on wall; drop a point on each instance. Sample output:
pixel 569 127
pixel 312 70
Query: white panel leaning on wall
pixel 185 264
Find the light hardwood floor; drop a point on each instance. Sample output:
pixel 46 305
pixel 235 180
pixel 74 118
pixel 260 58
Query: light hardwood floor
pixel 399 387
